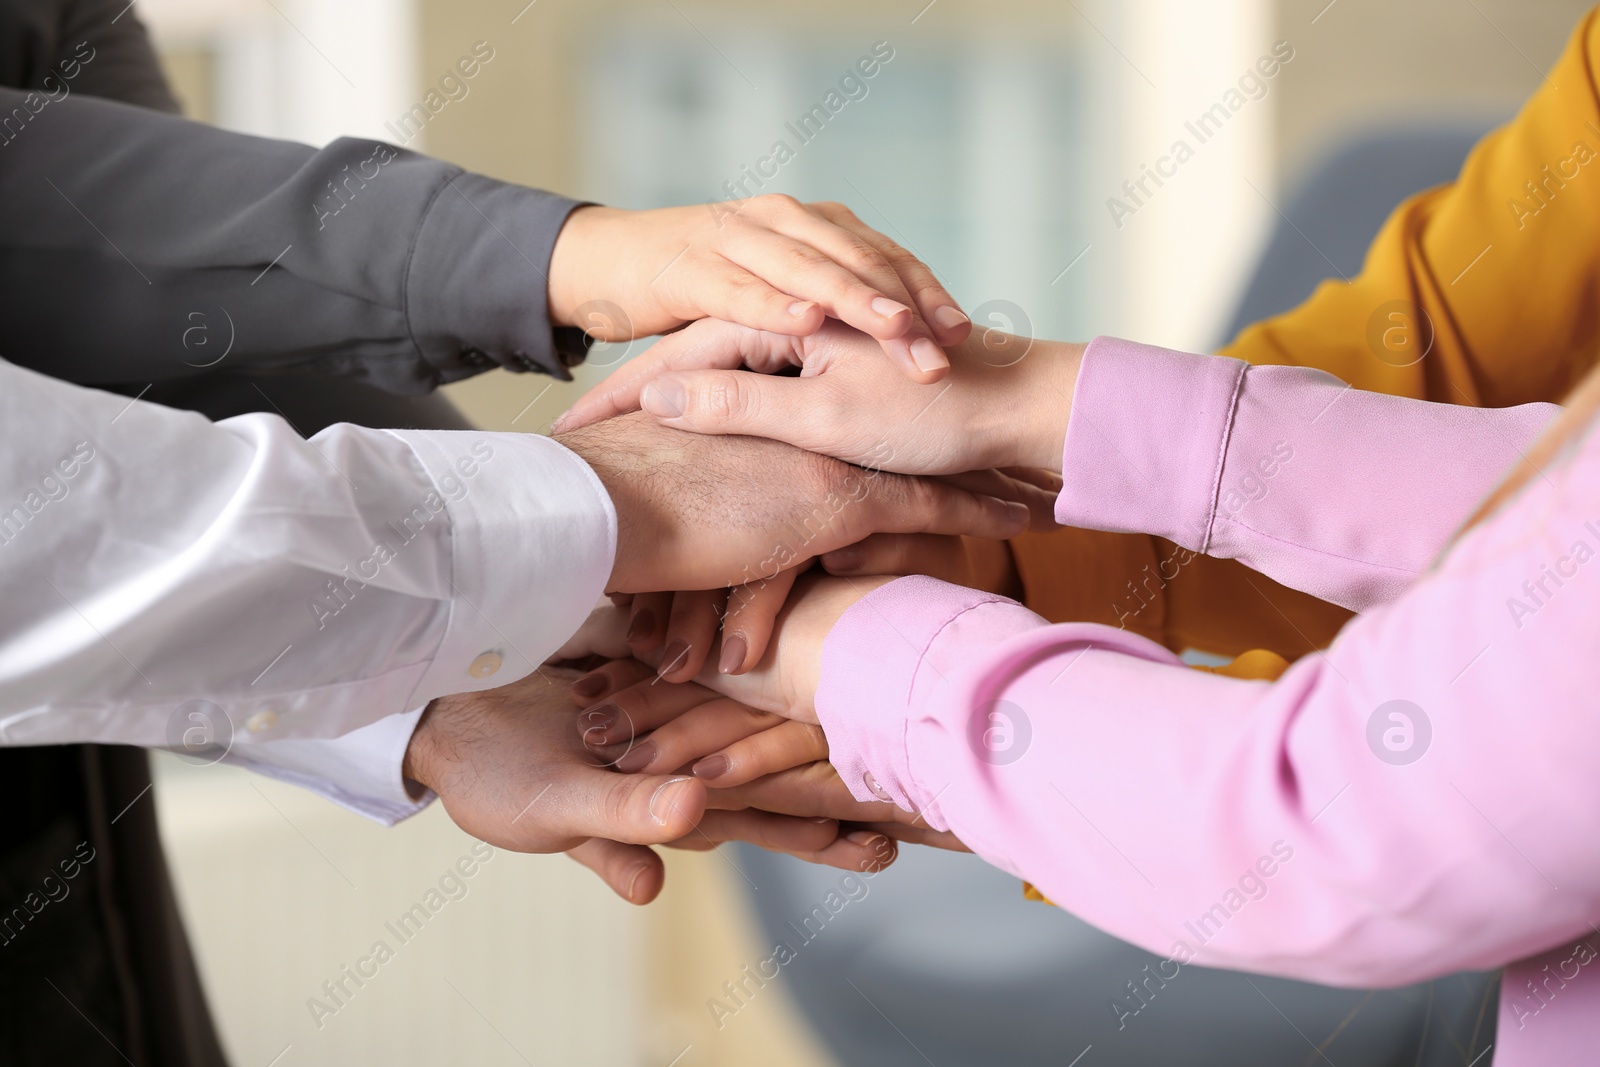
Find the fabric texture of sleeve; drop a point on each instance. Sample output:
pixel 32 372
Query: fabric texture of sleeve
pixel 140 247
pixel 155 561
pixel 360 771
pixel 1343 494
pixel 1414 801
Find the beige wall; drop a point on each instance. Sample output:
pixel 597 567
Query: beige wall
pixel 1370 63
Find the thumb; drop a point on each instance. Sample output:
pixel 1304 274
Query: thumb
pixel 734 402
pixel 640 809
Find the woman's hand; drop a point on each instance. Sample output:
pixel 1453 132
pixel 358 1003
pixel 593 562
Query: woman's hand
pixel 1004 405
pixel 769 262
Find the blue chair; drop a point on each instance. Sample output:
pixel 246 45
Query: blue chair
pixel 940 961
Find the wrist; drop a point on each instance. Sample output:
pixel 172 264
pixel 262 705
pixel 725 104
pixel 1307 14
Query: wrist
pixel 1040 405
pixel 567 286
pixel 417 765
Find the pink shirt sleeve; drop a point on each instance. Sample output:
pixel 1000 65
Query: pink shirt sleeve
pixel 1344 494
pixel 1404 805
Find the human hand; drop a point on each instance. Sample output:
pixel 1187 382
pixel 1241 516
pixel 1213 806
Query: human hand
pixel 1004 405
pixel 509 770
pixel 769 262
pixel 651 726
pixel 648 726
pixel 694 513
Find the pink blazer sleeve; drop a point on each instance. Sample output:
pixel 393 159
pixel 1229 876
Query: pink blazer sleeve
pixel 1419 799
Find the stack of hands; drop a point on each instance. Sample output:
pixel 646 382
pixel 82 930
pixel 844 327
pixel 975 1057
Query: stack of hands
pixel 840 424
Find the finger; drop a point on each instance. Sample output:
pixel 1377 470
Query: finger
pixel 752 613
pixel 634 872
pixel 603 633
pixel 938 308
pixel 619 674
pixel 936 556
pixel 898 504
pixel 780 747
pixel 866 851
pixel 813 840
pixel 633 712
pixel 711 286
pixel 920 834
pixel 1040 501
pixel 872 301
pixel 691 633
pixel 1045 479
pixel 779 833
pixel 696 732
pixel 705 345
pixel 864 260
pixel 814 790
pixel 647 627
pixel 641 809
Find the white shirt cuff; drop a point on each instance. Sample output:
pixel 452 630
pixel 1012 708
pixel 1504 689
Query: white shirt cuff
pixel 359 771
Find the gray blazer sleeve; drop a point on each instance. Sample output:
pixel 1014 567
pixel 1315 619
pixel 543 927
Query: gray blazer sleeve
pixel 137 247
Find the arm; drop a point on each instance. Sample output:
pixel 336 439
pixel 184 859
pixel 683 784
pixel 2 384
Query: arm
pixel 1415 322
pixel 1310 827
pixel 1344 494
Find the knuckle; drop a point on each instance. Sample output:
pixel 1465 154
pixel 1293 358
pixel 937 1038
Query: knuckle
pixel 616 802
pixel 727 399
pixel 777 203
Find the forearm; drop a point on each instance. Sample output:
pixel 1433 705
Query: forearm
pixel 301 589
pixel 125 230
pixel 1144 796
pixel 1344 494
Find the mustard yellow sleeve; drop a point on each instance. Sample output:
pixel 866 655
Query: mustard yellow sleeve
pixel 1479 292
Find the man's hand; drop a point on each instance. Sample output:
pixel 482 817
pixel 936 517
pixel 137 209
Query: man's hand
pixel 698 513
pixel 511 770
pixel 769 262
pixel 1004 405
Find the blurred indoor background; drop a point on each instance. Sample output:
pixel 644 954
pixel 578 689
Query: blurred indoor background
pixel 990 143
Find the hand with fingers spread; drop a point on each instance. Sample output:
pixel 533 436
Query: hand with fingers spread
pixel 769 262
pixel 1004 405
pixel 698 513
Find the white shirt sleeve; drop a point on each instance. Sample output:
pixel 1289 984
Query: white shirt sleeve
pixel 172 582
pixel 360 771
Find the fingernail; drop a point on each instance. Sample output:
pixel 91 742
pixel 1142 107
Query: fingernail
pixel 843 560
pixel 711 767
pixel 822 820
pixel 801 308
pixel 601 718
pixel 663 398
pixel 643 625
pixel 673 658
pixel 1019 512
pixel 927 355
pixel 633 883
pixel 863 838
pixel 888 308
pixel 950 317
pixel 733 653
pixel 659 795
pixel 637 758
pixel 592 685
